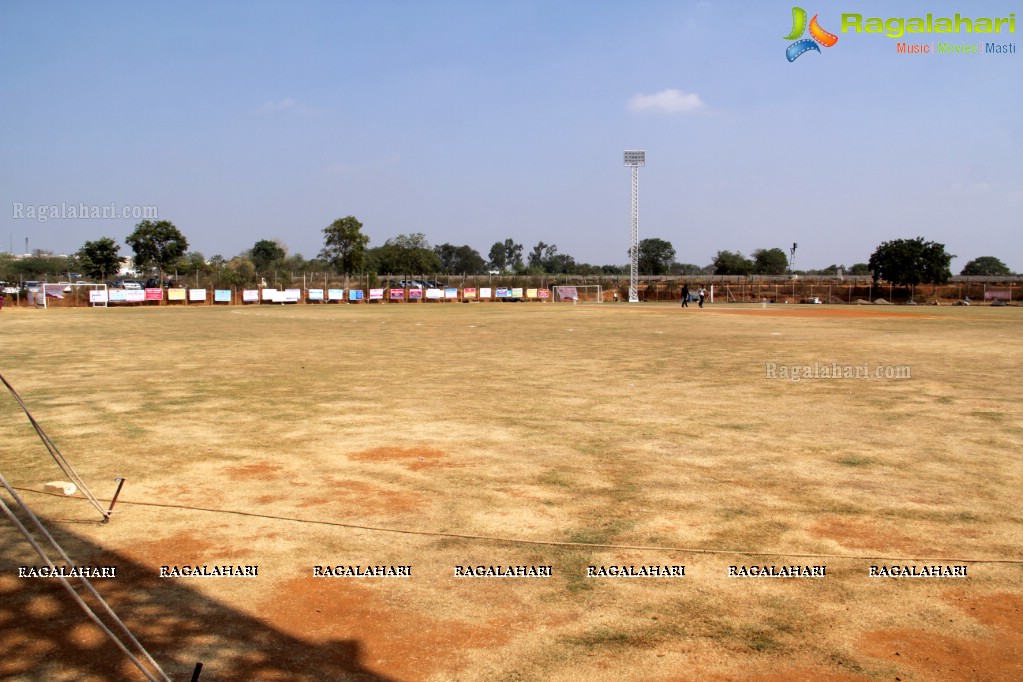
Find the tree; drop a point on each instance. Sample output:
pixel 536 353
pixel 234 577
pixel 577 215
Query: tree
pixel 561 264
pixel 498 256
pixel 770 262
pixel 542 257
pixel 859 269
pixel 99 259
pixel 407 254
pixel 192 263
pixel 267 254
pixel 728 263
pixel 36 266
pixel 506 255
pixel 157 245
pixel 985 266
pixel 241 272
pixel 908 262
pixel 463 260
pixel 689 269
pixel 344 245
pixel 655 256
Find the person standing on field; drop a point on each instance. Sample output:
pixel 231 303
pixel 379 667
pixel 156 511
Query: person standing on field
pixel 703 295
pixel 685 295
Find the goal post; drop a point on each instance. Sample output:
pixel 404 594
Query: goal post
pixel 579 293
pixel 61 290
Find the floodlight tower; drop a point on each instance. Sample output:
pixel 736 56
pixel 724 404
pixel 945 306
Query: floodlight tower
pixel 634 158
pixel 792 258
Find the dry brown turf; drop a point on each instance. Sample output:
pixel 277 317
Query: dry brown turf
pixel 448 435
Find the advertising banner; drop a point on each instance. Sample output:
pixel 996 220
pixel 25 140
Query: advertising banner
pixel 221 295
pixel 268 294
pixel 545 294
pixel 397 294
pixel 175 294
pixel 434 294
pixel 196 294
pixel 292 295
pixel 503 292
pixel 315 295
pixel 531 293
pixel 415 294
pixel 376 294
pixel 355 294
pixel 469 292
pixel 451 292
pixel 154 294
pixel 135 296
pixel 98 296
pixel 250 296
pixel 486 293
pixel 516 292
pixel 335 294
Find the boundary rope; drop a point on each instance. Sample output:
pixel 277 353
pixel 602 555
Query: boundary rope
pixel 550 543
pixel 156 674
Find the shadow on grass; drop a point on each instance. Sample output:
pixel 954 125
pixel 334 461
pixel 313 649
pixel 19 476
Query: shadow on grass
pixel 45 635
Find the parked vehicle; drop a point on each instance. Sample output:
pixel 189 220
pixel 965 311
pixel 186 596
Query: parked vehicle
pixel 128 284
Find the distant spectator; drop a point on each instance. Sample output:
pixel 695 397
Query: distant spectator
pixel 703 295
pixel 685 295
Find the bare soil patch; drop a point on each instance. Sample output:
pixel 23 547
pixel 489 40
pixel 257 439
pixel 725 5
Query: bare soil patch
pixel 412 458
pixel 927 654
pixel 395 641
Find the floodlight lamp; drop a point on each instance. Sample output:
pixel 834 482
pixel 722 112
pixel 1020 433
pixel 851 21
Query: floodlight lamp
pixel 635 158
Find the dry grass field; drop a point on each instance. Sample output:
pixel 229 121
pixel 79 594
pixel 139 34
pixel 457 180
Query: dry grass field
pixel 440 436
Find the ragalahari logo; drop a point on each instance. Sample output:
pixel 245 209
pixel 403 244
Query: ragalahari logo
pixel 819 35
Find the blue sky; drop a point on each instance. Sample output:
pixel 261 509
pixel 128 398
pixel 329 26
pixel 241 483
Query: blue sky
pixel 474 121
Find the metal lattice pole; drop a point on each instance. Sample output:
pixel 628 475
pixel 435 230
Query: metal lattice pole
pixel 634 159
pixel 634 265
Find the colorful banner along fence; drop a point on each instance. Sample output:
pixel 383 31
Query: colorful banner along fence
pixel 317 295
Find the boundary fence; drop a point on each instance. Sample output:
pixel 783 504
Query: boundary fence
pixel 723 289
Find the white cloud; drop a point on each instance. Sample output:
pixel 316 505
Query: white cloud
pixel 670 101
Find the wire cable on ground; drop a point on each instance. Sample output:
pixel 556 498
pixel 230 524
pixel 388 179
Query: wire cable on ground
pixel 553 543
pixel 55 453
pixel 150 669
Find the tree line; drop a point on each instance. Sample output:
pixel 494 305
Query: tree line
pixel 159 248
